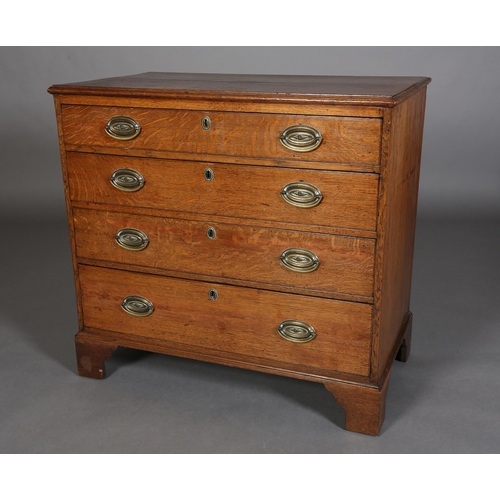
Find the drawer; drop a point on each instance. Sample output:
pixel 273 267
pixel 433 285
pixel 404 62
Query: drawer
pixel 348 200
pixel 241 320
pixel 261 255
pixel 253 135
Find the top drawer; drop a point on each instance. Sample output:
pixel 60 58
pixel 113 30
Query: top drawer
pixel 334 139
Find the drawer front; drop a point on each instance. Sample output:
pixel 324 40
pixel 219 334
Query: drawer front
pixel 242 321
pixel 230 251
pixel 253 135
pixel 349 200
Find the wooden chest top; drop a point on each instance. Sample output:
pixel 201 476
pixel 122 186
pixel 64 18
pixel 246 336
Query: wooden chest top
pixel 352 90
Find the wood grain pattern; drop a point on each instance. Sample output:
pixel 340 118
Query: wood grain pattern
pixel 240 321
pixel 69 208
pixel 353 90
pixel 396 227
pixel 312 108
pixel 91 354
pixel 245 361
pixel 364 405
pixel 349 199
pixel 367 169
pixel 345 140
pixel 240 252
pixel 276 287
pixel 224 219
pixel 234 160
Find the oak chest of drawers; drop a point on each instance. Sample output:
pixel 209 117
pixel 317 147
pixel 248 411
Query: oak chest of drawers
pixel 262 222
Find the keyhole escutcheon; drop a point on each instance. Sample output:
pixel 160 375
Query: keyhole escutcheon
pixel 211 233
pixel 208 173
pixel 206 123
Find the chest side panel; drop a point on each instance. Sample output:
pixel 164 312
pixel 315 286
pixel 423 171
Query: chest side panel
pixel 396 227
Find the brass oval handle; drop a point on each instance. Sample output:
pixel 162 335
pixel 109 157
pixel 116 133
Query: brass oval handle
pixel 137 305
pixel 126 179
pixel 301 194
pixel 299 260
pixel 296 331
pixel 132 239
pixel 122 128
pixel 301 138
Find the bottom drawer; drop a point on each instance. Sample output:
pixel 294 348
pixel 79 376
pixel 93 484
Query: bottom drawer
pixel 230 319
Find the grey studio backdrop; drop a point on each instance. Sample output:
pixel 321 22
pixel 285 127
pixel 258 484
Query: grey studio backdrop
pixel 441 401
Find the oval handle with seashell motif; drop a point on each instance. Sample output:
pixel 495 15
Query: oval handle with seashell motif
pixel 137 305
pixel 301 194
pixel 299 260
pixel 296 331
pixel 122 128
pixel 126 179
pixel 132 239
pixel 301 138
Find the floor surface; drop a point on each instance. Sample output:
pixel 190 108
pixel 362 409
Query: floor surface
pixel 444 400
